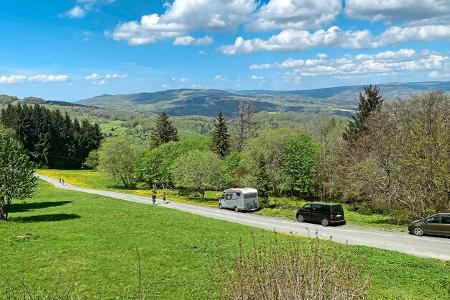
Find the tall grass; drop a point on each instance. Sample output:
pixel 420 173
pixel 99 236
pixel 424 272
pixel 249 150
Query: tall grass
pixel 290 271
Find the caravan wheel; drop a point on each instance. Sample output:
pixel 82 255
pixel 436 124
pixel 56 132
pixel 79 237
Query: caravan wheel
pixel 220 206
pixel 236 209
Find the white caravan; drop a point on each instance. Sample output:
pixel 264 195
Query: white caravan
pixel 239 199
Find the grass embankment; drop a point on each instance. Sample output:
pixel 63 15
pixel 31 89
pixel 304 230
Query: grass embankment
pixel 283 207
pixel 87 241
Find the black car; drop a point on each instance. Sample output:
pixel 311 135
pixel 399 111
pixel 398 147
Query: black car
pixel 438 224
pixel 323 213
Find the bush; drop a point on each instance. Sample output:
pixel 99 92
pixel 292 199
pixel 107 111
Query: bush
pixel 199 171
pixel 153 167
pixel 293 272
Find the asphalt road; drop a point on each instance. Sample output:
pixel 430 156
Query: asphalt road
pixel 426 246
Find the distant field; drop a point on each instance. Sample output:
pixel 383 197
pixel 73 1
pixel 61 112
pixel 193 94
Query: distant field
pixel 62 238
pixel 282 206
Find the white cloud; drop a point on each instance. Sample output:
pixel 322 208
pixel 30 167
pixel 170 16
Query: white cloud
pixel 191 41
pixel 75 12
pixel 115 76
pixel 299 40
pixel 295 14
pixel 255 77
pixel 424 33
pixel 383 63
pixel 44 78
pixel 219 78
pixel 398 10
pixel 286 40
pixel 40 78
pixel 98 79
pixel 12 79
pixel 93 76
pixel 85 6
pixel 180 79
pixel 184 16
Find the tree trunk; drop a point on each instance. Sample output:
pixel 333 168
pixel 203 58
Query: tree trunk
pixel 4 208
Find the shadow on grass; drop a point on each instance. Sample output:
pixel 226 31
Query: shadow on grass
pixel 46 218
pixel 23 207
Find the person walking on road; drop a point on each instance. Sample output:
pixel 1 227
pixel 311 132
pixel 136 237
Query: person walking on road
pixel 154 192
pixel 164 197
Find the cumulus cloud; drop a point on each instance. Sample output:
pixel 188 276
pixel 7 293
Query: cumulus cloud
pixel 83 7
pixel 219 78
pixel 255 77
pixel 383 63
pixel 40 78
pixel 398 10
pixel 11 79
pixel 295 14
pixel 191 41
pixel 98 79
pixel 44 78
pixel 75 12
pixel 286 40
pixel 184 16
pixel 299 40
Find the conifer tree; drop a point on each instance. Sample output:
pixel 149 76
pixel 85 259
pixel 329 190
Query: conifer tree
pixel 164 130
pixel 369 101
pixel 221 143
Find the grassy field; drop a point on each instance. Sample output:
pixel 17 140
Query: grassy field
pixel 88 242
pixel 283 207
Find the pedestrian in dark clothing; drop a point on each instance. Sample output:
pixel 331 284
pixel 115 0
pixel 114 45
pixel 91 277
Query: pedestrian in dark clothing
pixel 154 192
pixel 164 197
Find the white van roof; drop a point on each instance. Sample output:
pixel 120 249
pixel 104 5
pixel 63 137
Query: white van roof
pixel 242 190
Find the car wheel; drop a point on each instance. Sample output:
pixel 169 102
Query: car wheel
pixel 236 209
pixel 300 218
pixel 417 231
pixel 220 206
pixel 324 222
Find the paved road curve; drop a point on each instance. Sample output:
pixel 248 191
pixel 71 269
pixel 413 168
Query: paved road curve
pixel 434 247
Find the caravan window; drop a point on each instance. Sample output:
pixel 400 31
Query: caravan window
pixel 250 195
pixel 228 196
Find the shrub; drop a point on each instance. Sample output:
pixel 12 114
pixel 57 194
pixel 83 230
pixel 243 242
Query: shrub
pixel 293 272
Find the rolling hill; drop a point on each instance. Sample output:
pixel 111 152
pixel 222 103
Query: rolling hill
pixel 337 100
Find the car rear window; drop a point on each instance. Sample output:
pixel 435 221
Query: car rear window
pixel 337 209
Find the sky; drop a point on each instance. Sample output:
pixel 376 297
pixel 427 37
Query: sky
pixel 74 49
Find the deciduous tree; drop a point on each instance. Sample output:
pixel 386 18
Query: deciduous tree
pixel 199 171
pixel 17 180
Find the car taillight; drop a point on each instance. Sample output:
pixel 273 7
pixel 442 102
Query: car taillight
pixel 331 216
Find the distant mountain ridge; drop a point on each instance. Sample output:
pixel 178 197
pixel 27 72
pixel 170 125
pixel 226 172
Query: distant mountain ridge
pixel 339 100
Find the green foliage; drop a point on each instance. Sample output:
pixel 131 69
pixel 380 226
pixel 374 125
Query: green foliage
pixel 117 156
pixel 92 161
pixel 369 102
pixel 299 163
pixel 401 165
pixel 49 137
pixel 164 130
pixel 266 150
pixel 220 140
pixel 17 180
pixel 199 171
pixel 153 167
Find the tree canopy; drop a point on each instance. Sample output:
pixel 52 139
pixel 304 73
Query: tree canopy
pixel 164 130
pixel 17 180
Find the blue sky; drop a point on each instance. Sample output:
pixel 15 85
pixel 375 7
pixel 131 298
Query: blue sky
pixel 74 49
